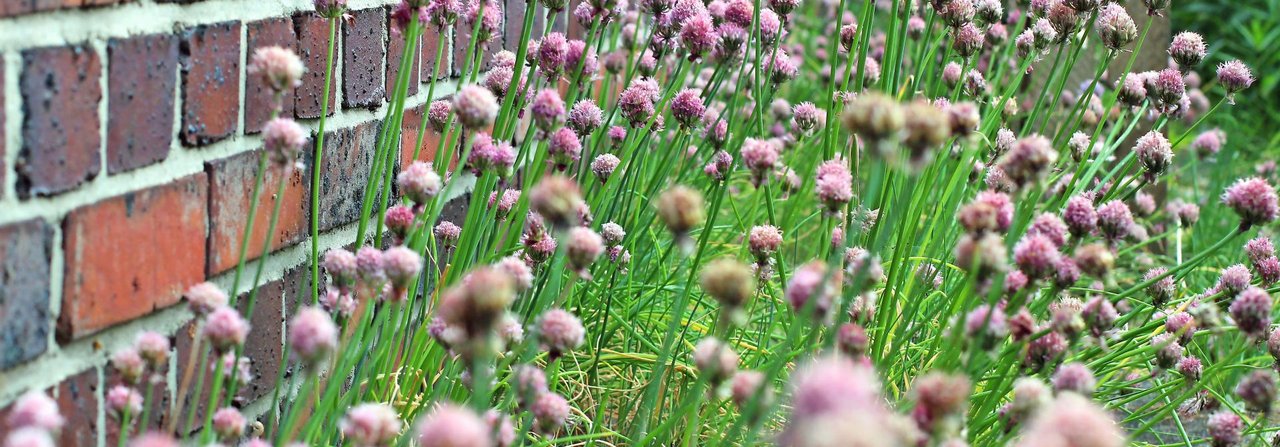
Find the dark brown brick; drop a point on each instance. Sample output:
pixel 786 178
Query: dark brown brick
pixel 140 81
pixel 110 277
pixel 275 303
pixel 432 41
pixel 395 57
pixel 77 398
pixel 363 56
pixel 24 290
pixel 313 42
pixel 10 8
pixel 60 95
pixel 462 41
pixel 2 138
pixel 348 156
pixel 210 82
pixel 259 99
pixel 230 185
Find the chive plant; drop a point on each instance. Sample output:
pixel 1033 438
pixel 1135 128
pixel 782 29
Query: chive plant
pixel 763 222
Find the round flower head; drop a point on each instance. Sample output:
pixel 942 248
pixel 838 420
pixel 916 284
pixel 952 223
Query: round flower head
pixel 453 426
pixel 967 39
pixel 876 118
pixel 728 281
pixel 1208 143
pixel 1181 324
pixel 1115 28
pixel 764 241
pixel 715 359
pixel 1225 429
pixel 956 13
pixel 984 323
pixel 312 334
pixel 1099 315
pixel 1187 49
pixel 283 138
pixel 1162 290
pixel 519 272
pixel 585 117
pixel 985 252
pixel 371 424
pixel 925 128
pixel 1259 248
pixel 28 437
pixel 770 27
pixel 204 297
pixel 806 290
pixel 745 386
pixel 940 394
pixel 447 233
pixel 852 340
pixel 399 220
pixel 129 365
pixel 225 329
pixel 370 269
pixel 1251 311
pixel 154 439
pixel 760 156
pixel 565 147
pixel 228 423
pixel 1185 214
pixel 548 109
pixel 37 410
pixel 560 331
pixel 443 13
pixel 583 248
pixel 1234 76
pixel 1166 88
pixel 341 266
pixel 1154 154
pixel 1190 368
pixel 807 116
pixel 490 24
pixel 1072 420
pixel 550 412
pixel 687 108
pixel 1095 259
pixel 1115 220
pixel 1144 204
pixel 556 199
pixel 1234 279
pixel 831 384
pixel 1050 226
pixel 698 35
pixel 1045 350
pixel 1254 200
pixel 834 184
pixel 153 347
pixel 604 165
pixel 1036 256
pixel 280 68
pixel 1258 390
pixel 419 182
pixel 1028 160
pixel 1133 91
pixel 681 209
pixel 475 106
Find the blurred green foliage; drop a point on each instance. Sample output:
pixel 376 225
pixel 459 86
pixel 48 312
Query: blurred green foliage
pixel 1248 30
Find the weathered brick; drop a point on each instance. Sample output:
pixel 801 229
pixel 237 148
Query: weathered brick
pixel 313 42
pixel 210 82
pixel 275 302
pixel 77 398
pixel 259 99
pixel 230 185
pixel 10 8
pixel 348 156
pixel 395 57
pixel 462 43
pixel 409 137
pixel 140 82
pixel 363 57
pixel 60 95
pixel 2 138
pixel 24 290
pixel 110 277
pixel 432 42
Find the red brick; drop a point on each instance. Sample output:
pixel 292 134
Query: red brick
pixel 432 42
pixel 10 8
pixel 77 398
pixel 2 138
pixel 395 56
pixel 61 143
pixel 230 183
pixel 462 43
pixel 129 255
pixel 409 137
pixel 363 57
pixel 259 99
pixel 313 42
pixel 210 82
pixel 140 82
pixel 348 156
pixel 24 280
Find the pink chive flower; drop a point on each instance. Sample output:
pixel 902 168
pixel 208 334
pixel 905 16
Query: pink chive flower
pixel 490 22
pixel 371 425
pixel 746 385
pixel 585 117
pixel 225 329
pixel 551 53
pixel 967 40
pixel 1234 279
pixel 831 385
pixel 560 331
pixel 1115 28
pixel 279 67
pixel 1258 390
pixel 550 412
pixel 1251 311
pixel 739 12
pixel 548 110
pixel 715 359
pixel 1234 76
pixel 557 199
pixel 834 184
pixel 698 35
pixel 1028 160
pixel 153 347
pixel 399 220
pixel 1254 200
pixel 764 241
pixel 1166 88
pixel 443 13
pixel 604 165
pixel 1191 368
pixel 283 138
pixel 419 182
pixel 807 290
pixel 447 233
pixel 983 322
pixel 1225 429
pixel 154 439
pixel 438 115
pixel 1182 324
pixel 584 247
pixel 1050 226
pixel 807 116
pixel 475 106
pixel 520 273
pixel 565 147
pixel 312 334
pixel 228 423
pixel 1072 420
pixel 1036 256
pixel 28 437
pixel 687 108
pixel 204 297
pixel 504 203
pixel 453 426
pixel 761 156
pixel 35 410
pixel 1115 220
pixel 341 266
pixel 1187 49
pixel 1162 290
pixel 852 340
pixel 1208 143
pixel 1154 154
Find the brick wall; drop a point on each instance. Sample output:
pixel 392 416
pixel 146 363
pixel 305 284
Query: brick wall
pixel 128 142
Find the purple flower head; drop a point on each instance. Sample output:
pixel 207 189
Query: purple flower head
pixel 279 67
pixel 438 115
pixel 312 334
pixel 1234 76
pixel 475 106
pixel 1251 311
pixel 1028 160
pixel 1225 429
pixel 1254 200
pixel 565 147
pixel 548 109
pixel 204 297
pixel 419 182
pixel 1188 50
pixel 371 424
pixel 1115 220
pixel 453 426
pixel 604 165
pixel 225 329
pixel 1074 377
pixel 585 117
pixel 1258 390
pixel 687 108
pixel 560 331
pixel 1037 256
pixel 1154 154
